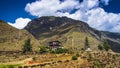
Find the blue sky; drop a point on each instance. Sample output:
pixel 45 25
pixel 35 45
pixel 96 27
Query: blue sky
pixel 99 14
pixel 13 9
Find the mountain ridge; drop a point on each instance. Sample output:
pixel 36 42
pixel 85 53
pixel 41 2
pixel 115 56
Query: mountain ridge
pixel 49 26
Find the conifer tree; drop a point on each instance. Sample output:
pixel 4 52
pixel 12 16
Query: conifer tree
pixel 86 43
pixel 27 47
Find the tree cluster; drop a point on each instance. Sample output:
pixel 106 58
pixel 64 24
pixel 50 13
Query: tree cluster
pixel 105 46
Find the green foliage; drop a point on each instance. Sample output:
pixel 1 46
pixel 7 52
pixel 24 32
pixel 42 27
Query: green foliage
pixel 82 49
pixel 86 43
pixel 34 58
pixel 100 47
pixel 10 66
pixel 74 57
pixel 60 50
pixel 43 49
pixel 27 47
pixel 89 57
pixel 1 66
pixel 98 64
pixel 106 46
pixel 77 55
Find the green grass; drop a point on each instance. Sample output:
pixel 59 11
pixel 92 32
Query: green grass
pixel 9 66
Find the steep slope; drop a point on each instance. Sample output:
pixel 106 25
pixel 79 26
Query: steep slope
pixel 12 38
pixel 70 32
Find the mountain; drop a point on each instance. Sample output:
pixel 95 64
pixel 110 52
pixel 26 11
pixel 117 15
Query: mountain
pixel 12 39
pixel 70 32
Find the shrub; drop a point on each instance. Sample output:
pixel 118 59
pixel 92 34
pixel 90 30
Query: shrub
pixel 42 49
pixel 59 50
pixel 33 58
pixel 74 57
pixel 77 55
pixel 66 60
pixel 100 47
pixel 82 49
pixel 10 66
pixel 59 61
pixel 89 57
pixel 98 64
pixel 106 46
pixel 19 66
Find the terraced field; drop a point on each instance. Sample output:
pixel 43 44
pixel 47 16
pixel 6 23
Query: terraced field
pixel 64 60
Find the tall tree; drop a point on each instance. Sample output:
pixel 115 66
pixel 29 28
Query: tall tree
pixel 27 47
pixel 86 43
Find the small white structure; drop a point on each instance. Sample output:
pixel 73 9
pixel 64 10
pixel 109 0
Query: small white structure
pixel 88 49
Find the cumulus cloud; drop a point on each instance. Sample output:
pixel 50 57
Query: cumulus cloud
pixel 50 7
pixel 20 23
pixel 102 20
pixel 106 2
pixel 88 11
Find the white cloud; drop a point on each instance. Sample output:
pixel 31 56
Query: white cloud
pixel 88 11
pixel 50 7
pixel 102 20
pixel 106 2
pixel 88 4
pixel 20 23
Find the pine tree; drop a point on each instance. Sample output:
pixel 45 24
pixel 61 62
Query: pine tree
pixel 86 43
pixel 27 47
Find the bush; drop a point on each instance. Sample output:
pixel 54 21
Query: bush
pixel 43 49
pixel 89 57
pixel 100 47
pixel 77 55
pixel 82 49
pixel 34 58
pixel 98 64
pixel 66 60
pixel 74 57
pixel 19 66
pixel 59 50
pixel 106 46
pixel 10 66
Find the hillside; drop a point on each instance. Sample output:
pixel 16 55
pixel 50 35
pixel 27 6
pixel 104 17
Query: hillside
pixel 42 30
pixel 12 39
pixel 70 32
